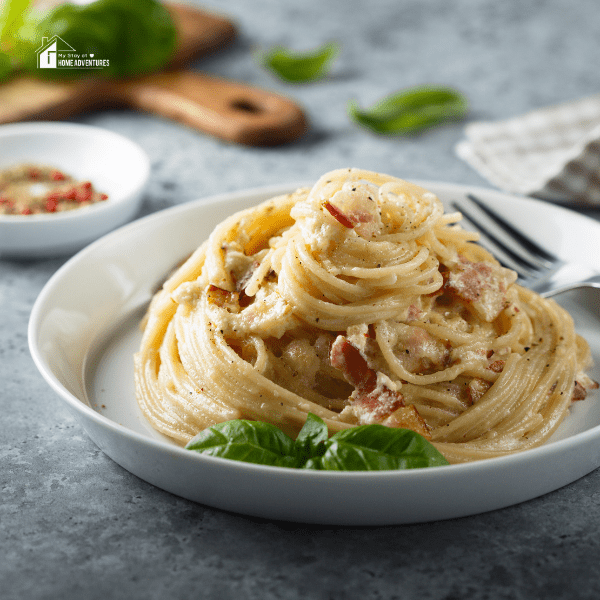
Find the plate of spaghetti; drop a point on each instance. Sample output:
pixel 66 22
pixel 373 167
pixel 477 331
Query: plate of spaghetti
pixel 357 298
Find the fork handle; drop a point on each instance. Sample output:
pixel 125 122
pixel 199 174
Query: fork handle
pixel 568 277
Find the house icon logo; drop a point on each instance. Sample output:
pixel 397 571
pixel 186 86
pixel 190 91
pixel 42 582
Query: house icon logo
pixel 55 53
pixel 49 51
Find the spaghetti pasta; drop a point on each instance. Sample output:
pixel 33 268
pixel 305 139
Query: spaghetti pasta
pixel 361 301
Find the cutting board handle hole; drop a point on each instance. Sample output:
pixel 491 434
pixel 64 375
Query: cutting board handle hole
pixel 245 106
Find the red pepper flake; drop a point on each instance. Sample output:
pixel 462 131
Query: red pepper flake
pixel 18 195
pixel 71 194
pixel 51 205
pixel 84 193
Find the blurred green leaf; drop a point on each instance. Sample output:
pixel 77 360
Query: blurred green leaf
pixel 412 110
pixel 134 37
pixel 6 67
pixel 296 67
pixel 12 19
pixel 14 46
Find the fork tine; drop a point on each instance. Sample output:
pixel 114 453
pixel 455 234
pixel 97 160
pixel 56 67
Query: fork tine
pixel 503 253
pixel 537 268
pixel 525 241
pixel 511 247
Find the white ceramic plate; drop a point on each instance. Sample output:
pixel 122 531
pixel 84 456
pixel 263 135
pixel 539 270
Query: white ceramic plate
pixel 114 164
pixel 84 330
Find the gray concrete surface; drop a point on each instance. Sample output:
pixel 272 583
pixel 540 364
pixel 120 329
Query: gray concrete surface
pixel 73 524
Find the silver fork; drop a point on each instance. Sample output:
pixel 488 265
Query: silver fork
pixel 537 267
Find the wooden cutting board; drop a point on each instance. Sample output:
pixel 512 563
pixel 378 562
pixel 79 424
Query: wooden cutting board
pixel 226 109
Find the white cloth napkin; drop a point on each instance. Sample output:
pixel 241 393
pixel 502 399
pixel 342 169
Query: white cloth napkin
pixel 552 153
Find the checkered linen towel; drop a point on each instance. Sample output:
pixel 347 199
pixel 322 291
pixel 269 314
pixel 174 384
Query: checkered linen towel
pixel 552 153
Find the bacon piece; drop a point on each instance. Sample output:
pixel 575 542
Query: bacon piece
pixel 477 388
pixel 481 285
pixel 413 313
pixel 338 215
pixel 470 280
pixel 421 352
pixel 497 366
pixel 241 279
pixel 377 405
pixel 408 417
pixel 372 403
pixel 347 358
pixel 580 391
pixel 222 298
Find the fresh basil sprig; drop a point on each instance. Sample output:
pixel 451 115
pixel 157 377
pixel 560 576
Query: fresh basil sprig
pixel 364 448
pixel 299 67
pixel 412 110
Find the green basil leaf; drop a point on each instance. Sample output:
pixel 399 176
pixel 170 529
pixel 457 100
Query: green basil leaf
pixel 376 447
pixel 312 437
pixel 247 441
pixel 364 448
pixel 412 110
pixel 296 67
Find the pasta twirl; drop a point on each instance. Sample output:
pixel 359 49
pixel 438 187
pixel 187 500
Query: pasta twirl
pixel 361 301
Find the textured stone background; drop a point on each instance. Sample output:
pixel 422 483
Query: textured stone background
pixel 73 524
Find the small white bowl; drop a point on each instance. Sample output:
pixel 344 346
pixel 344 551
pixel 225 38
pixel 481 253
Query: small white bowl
pixel 115 165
